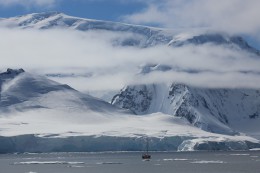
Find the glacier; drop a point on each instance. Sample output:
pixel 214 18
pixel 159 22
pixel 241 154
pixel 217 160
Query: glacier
pixel 41 115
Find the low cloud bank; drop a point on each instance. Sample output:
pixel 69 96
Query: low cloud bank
pixel 234 16
pixel 89 61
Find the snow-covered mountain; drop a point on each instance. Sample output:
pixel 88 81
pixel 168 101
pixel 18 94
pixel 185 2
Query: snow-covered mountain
pixel 214 110
pixel 55 20
pixel 37 114
pixel 210 109
pixel 221 39
pixel 175 116
pixel 21 91
pixel 144 36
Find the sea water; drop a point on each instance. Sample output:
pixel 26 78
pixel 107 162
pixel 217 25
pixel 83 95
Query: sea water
pixel 131 162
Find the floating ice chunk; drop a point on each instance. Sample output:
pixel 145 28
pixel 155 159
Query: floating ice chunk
pixel 180 159
pixel 209 161
pixel 75 166
pixel 47 163
pixel 109 163
pixel 239 154
pixel 177 159
pixel 255 149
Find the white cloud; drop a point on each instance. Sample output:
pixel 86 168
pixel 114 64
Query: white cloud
pixel 112 67
pixel 29 3
pixel 236 16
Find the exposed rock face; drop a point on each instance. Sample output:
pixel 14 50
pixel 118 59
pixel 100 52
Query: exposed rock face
pixel 136 98
pixel 212 110
pixel 11 73
pixel 217 39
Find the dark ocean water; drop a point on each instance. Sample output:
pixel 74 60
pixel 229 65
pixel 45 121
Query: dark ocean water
pixel 131 162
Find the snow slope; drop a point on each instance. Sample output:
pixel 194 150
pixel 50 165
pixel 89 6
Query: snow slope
pixel 43 110
pixel 34 108
pixel 21 90
pixel 143 36
pixel 224 111
pixel 55 20
pixel 217 110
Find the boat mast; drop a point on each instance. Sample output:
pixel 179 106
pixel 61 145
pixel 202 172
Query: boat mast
pixel 147 145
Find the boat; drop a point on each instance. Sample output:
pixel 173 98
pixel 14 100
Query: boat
pixel 146 155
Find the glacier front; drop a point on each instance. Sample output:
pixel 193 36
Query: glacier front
pixel 40 115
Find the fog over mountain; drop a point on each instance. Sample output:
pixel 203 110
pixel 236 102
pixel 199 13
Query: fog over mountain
pixel 189 89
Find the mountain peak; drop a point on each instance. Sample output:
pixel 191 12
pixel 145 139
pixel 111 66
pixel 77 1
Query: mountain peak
pixel 10 71
pixel 149 36
pixel 216 38
pixel 46 14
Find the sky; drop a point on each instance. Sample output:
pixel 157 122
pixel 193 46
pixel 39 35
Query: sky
pixel 56 51
pixel 111 10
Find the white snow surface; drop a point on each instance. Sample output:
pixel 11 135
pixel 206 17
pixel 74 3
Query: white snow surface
pixel 48 163
pixel 144 36
pixel 55 20
pixel 32 104
pixel 63 124
pixel 225 111
pixel 209 162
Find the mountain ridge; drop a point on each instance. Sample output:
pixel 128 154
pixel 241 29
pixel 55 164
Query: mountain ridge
pixel 152 35
pixel 55 112
pixel 188 116
pixel 22 89
pixel 213 110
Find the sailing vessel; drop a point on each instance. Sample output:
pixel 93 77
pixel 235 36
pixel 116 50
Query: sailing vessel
pixel 146 155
